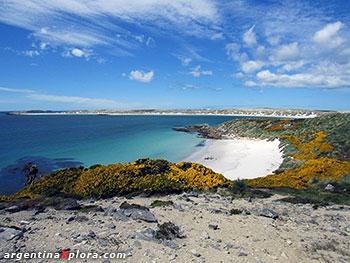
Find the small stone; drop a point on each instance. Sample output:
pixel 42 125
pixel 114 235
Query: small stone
pixel 205 235
pixel 91 234
pixel 329 187
pixel 289 242
pixel 269 213
pixel 214 227
pixel 241 254
pixel 137 243
pixel 172 257
pixel 110 226
pixel 195 253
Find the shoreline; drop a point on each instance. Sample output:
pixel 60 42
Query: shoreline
pixel 172 114
pixel 239 158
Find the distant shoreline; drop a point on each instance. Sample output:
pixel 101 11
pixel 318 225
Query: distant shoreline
pixel 180 113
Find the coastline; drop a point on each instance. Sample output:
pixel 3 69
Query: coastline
pixel 239 158
pixel 172 114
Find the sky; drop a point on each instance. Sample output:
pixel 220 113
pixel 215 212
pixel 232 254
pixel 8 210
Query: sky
pixel 174 54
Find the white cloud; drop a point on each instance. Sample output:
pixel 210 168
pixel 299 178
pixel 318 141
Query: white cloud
pixel 302 80
pixel 16 90
pixel 78 100
pixel 293 65
pixel 327 35
pixel 31 53
pixel 249 83
pixel 285 53
pixel 77 52
pixel 88 23
pixel 196 72
pixel 141 76
pixel 249 37
pixel 274 40
pixel 217 36
pixel 150 42
pixel 238 75
pixel 252 66
pixel 80 53
pixel 232 50
pixel 43 45
pixel 185 61
pixel 140 38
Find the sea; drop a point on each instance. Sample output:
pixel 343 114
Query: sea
pixel 54 142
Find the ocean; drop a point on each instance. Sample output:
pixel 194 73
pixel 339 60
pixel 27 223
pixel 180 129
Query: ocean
pixel 59 141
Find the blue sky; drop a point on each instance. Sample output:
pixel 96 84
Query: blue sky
pixel 174 54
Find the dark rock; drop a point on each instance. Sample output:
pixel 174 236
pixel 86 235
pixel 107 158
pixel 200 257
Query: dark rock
pixel 91 234
pixel 7 234
pixel 135 212
pixel 229 246
pixel 110 211
pixel 269 213
pixel 178 207
pixel 195 253
pixel 147 235
pixel 203 130
pixel 13 209
pixel 140 214
pixel 241 254
pixel 214 227
pixel 192 194
pixel 110 226
pixel 81 219
pixel 171 244
pixel 68 204
pixel 31 171
pixel 168 231
pixel 98 209
pixel 39 210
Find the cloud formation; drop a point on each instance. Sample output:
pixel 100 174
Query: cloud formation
pixel 141 76
pixel 89 23
pixel 196 72
pixel 16 90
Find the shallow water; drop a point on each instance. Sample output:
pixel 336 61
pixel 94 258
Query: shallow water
pixel 59 141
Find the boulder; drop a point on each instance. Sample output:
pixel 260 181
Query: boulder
pixel 68 204
pixel 7 234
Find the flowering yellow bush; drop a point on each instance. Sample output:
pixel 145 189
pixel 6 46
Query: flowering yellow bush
pixel 309 150
pixel 144 175
pixel 323 168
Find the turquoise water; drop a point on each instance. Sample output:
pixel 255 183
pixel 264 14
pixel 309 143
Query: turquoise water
pixel 54 142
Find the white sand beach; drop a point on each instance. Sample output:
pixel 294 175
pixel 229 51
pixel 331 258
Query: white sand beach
pixel 239 158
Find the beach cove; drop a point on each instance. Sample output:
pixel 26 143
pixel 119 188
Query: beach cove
pixel 239 158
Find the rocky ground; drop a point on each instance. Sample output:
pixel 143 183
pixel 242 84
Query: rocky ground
pixel 212 228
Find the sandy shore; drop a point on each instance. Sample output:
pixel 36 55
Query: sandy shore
pixel 239 158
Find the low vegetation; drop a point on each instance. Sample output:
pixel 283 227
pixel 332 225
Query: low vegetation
pixel 142 176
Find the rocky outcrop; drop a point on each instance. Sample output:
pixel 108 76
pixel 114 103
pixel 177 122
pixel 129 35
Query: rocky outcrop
pixel 203 130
